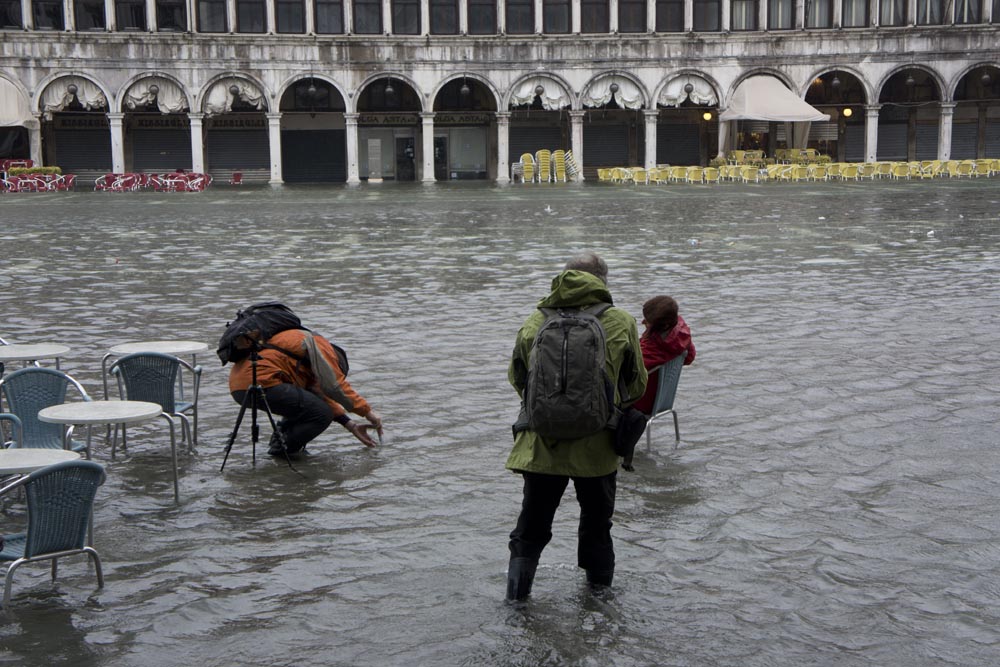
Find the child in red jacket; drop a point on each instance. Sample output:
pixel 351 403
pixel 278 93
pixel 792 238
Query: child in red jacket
pixel 666 336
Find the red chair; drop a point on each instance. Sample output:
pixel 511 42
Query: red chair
pixel 236 178
pixel 104 182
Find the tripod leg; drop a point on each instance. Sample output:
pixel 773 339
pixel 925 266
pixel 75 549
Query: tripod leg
pixel 236 429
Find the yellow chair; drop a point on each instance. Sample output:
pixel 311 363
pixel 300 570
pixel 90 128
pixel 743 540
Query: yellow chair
pixel 711 175
pixel 695 175
pixel 833 170
pixel 544 159
pixel 749 173
pixel 883 169
pixel 603 174
pixel 572 167
pixel 658 175
pixel 817 172
pixel 965 168
pixel 850 171
pixel 982 168
pixel 867 170
pixel 559 166
pixel 900 170
pixel 736 157
pixel 527 168
pixel 620 175
pixel 800 172
pixel 678 174
pixel 639 176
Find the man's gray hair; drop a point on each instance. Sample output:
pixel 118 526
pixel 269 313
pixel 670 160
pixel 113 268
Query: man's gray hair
pixel 591 263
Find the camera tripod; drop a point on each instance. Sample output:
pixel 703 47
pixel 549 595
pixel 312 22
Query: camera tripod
pixel 254 398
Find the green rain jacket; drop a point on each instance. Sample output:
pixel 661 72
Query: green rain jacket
pixel 593 455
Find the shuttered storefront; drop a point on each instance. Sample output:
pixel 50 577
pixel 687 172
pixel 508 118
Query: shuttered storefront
pixel 238 143
pixel 314 156
pixel 83 150
pixel 891 142
pixel 678 143
pixel 993 139
pixel 927 141
pixel 530 139
pixel 605 145
pixel 161 150
pixel 964 137
pixel 854 138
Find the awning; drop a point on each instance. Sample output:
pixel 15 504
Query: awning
pixel 764 97
pixel 14 107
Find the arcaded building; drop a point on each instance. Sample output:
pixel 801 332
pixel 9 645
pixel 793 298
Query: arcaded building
pixel 348 90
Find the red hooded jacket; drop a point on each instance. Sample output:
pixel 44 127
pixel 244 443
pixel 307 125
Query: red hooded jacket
pixel 659 349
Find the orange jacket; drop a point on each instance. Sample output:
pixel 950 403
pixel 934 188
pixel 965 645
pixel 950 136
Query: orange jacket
pixel 276 367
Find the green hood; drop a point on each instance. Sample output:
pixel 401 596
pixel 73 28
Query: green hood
pixel 577 289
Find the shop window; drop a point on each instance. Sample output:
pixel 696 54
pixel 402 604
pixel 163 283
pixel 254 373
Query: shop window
pixel 929 12
pixel 406 17
pixel 996 11
pixel 290 16
pixel 669 15
pixel 10 14
pixel 555 16
pixel 819 14
pixel 483 17
pixel 89 14
pixel 594 16
pixel 329 17
pixel 48 14
pixel 520 17
pixel 251 16
pixel 212 16
pixel 743 15
pixel 171 15
pixel 892 12
pixel 854 13
pixel 631 15
pixel 444 17
pixel 130 14
pixel 967 11
pixel 368 17
pixel 781 14
pixel 707 15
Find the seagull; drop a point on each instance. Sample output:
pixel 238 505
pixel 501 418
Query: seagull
pixel 548 209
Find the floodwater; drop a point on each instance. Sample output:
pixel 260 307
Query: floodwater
pixel 835 499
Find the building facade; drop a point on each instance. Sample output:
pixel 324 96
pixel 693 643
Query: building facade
pixel 348 90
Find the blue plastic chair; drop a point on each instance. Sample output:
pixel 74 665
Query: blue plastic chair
pixel 28 390
pixel 60 503
pixel 668 376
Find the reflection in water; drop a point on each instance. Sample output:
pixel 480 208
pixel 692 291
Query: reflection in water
pixel 833 501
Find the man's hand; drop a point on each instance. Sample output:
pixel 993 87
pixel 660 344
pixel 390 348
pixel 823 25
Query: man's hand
pixel 375 420
pixel 360 431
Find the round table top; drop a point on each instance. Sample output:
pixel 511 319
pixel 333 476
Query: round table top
pixel 162 346
pixel 31 351
pixel 100 412
pixel 21 461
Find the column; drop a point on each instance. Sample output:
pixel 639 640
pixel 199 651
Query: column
pixel 116 121
pixel 274 143
pixel 539 17
pixel 35 139
pixel 503 146
pixel 463 17
pixel 651 116
pixel 838 13
pixel 197 142
pixel 724 15
pixel 800 14
pixel 762 14
pixel 26 17
pixel 501 16
pixel 231 14
pixel 944 133
pixel 425 17
pixel 576 18
pixel 576 137
pixel 272 21
pixel 612 17
pixel 310 17
pixel 109 15
pixel 650 16
pixel 386 17
pixel 348 17
pixel 871 132
pixel 351 126
pixel 151 15
pixel 427 134
pixel 911 12
pixel 69 16
pixel 723 136
pixel 688 16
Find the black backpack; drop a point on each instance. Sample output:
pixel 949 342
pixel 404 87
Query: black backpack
pixel 266 319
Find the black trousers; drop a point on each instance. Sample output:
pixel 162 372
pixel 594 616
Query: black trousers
pixel 305 415
pixel 542 493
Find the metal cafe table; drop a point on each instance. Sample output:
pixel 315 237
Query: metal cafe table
pixel 174 347
pixel 90 413
pixel 21 461
pixel 32 352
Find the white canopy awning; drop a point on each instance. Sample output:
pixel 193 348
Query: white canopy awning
pixel 553 96
pixel 764 97
pixel 168 96
pixel 220 98
pixel 676 92
pixel 14 107
pixel 57 95
pixel 626 94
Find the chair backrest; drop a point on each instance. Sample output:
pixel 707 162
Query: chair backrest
pixel 17 428
pixel 31 389
pixel 668 377
pixel 148 376
pixel 60 499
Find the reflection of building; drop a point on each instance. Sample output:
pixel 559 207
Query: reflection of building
pixel 328 90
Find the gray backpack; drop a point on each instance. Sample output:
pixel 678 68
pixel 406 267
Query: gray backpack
pixel 568 393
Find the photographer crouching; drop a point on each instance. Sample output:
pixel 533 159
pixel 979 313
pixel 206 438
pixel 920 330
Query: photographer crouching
pixel 304 380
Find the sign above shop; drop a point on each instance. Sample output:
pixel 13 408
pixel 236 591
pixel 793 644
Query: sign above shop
pixel 82 121
pixel 388 119
pixel 233 122
pixel 462 118
pixel 160 122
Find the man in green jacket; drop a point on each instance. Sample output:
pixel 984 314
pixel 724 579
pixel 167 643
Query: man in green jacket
pixel 547 464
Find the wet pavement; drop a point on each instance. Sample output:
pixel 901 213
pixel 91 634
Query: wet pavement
pixel 834 500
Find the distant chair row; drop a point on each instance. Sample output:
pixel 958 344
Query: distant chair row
pixel 545 166
pixel 38 183
pixel 170 182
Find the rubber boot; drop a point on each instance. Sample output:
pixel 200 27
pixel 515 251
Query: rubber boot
pixel 600 579
pixel 520 574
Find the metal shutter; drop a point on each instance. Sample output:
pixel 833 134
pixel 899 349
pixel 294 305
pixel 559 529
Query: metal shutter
pixel 605 145
pixel 964 137
pixel 891 141
pixel 238 150
pixel 531 139
pixel 823 131
pixel 678 144
pixel 314 156
pixel 83 150
pixel 927 141
pixel 161 150
pixel 993 134
pixel 854 139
